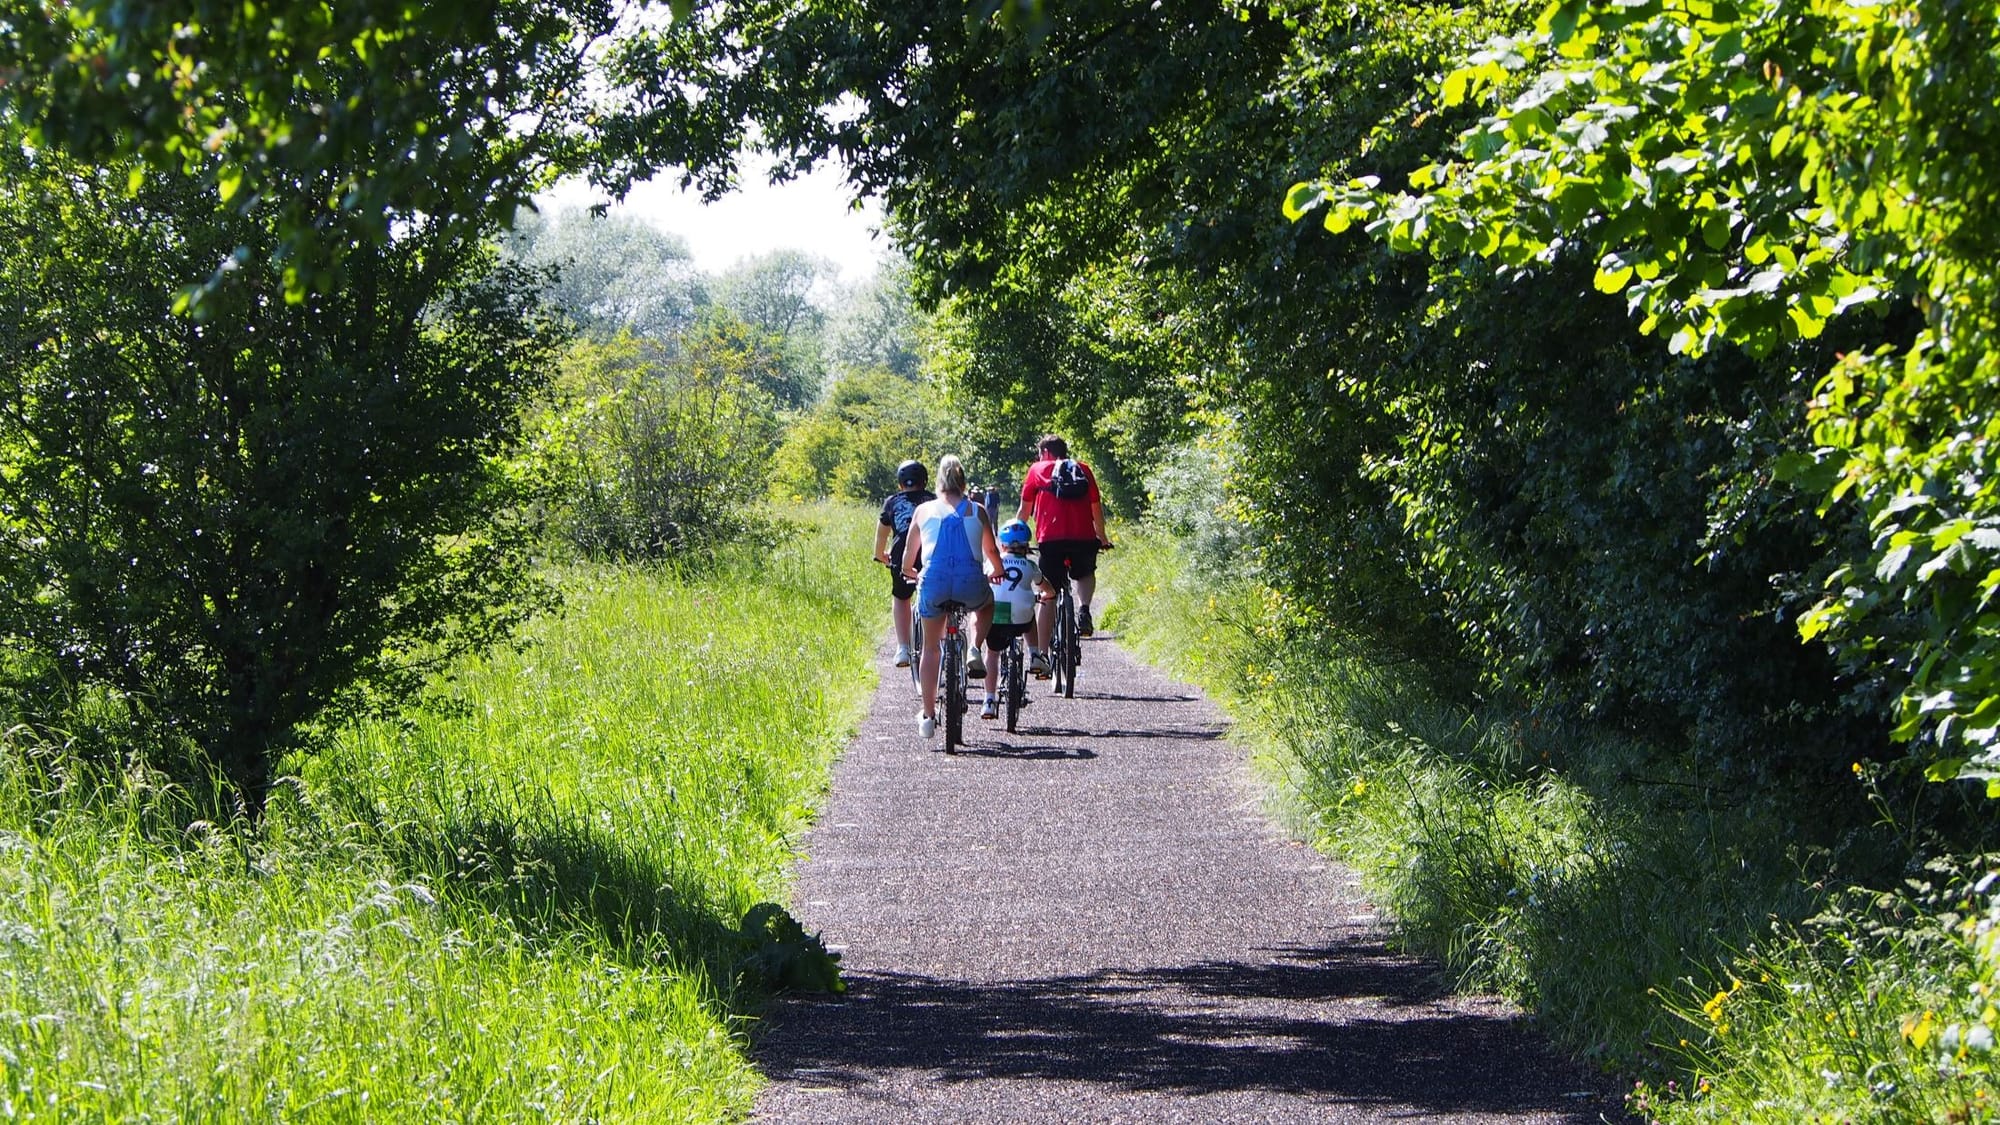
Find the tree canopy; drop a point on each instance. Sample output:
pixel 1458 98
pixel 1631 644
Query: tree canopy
pixel 1700 362
pixel 340 120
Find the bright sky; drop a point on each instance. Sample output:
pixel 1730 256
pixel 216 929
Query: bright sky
pixel 812 213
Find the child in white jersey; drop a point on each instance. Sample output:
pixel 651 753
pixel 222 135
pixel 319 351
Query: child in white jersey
pixel 1016 589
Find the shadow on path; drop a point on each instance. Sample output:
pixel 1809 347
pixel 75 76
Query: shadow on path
pixel 1294 1025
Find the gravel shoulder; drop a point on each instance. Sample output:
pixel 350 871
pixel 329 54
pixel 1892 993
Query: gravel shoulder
pixel 1093 920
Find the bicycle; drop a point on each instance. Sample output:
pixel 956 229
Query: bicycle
pixel 1015 683
pixel 1065 647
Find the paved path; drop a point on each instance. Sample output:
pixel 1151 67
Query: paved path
pixel 1094 921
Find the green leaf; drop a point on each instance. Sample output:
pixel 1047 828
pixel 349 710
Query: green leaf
pixel 1612 276
pixel 1558 22
pixel 1892 563
pixel 1303 197
pixel 1455 86
pixel 1946 769
pixel 1715 231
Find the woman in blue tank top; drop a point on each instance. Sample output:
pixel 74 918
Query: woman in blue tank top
pixel 951 558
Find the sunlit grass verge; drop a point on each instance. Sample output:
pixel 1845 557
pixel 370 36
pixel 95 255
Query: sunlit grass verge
pixel 1880 1009
pixel 1530 860
pixel 525 907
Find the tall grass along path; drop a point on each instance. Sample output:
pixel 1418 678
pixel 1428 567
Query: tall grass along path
pixel 1093 920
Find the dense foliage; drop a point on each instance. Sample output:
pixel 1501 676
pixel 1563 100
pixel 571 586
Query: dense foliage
pixel 336 122
pixel 850 443
pixel 1746 174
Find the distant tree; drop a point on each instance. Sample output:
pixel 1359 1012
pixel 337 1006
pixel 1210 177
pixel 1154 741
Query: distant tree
pixel 612 272
pixel 781 293
pixel 875 325
pixel 272 515
pixel 777 291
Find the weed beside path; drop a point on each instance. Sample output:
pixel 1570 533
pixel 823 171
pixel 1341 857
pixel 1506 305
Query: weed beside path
pixel 1093 920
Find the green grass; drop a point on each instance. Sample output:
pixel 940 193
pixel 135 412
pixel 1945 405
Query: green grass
pixel 1532 861
pixel 522 905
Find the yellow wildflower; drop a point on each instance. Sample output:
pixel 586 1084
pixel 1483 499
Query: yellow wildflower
pixel 1713 1009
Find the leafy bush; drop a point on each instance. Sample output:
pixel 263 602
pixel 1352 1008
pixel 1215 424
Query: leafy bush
pixel 272 515
pixel 1857 199
pixel 658 453
pixel 1188 497
pixel 850 444
pixel 1880 1009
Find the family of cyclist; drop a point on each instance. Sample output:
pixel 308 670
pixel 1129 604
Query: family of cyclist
pixel 958 557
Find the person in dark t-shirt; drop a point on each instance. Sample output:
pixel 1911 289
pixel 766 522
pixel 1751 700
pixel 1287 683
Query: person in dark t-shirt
pixel 890 538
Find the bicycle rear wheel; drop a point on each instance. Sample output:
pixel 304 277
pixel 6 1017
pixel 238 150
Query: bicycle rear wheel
pixel 1066 623
pixel 951 677
pixel 1059 665
pixel 1017 683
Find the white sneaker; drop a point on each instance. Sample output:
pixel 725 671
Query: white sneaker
pixel 1038 665
pixel 902 656
pixel 990 709
pixel 975 668
pixel 926 727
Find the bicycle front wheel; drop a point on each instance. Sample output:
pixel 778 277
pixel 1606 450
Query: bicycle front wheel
pixel 1017 686
pixel 1069 654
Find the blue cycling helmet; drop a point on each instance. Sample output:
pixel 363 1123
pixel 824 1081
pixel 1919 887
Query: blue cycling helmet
pixel 1013 533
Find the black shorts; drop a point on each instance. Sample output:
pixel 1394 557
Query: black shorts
pixel 998 637
pixel 1065 559
pixel 900 588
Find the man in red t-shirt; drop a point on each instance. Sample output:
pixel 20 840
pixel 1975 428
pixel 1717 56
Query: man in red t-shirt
pixel 1067 530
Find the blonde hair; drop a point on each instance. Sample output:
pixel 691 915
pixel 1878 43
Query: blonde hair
pixel 951 474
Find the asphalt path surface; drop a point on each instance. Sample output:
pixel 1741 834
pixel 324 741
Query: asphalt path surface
pixel 1094 920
